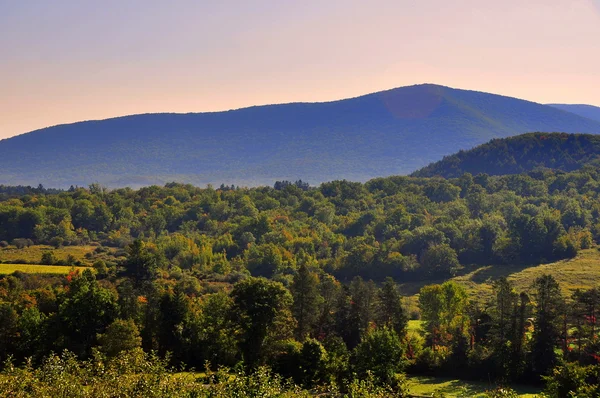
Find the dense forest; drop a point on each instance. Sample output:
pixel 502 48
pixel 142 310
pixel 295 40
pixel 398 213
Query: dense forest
pixel 303 279
pixel 520 154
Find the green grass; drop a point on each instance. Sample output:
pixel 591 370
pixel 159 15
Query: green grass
pixel 426 386
pixel 6 269
pixel 582 272
pixel 33 254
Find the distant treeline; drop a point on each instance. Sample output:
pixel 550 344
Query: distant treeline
pixel 520 154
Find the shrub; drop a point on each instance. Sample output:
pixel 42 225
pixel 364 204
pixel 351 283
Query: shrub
pixel 70 260
pixel 57 242
pixel 20 243
pixel 48 258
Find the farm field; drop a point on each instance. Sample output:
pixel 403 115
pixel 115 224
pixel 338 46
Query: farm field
pixel 6 269
pixel 33 254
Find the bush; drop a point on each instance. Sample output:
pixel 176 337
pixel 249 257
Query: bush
pixel 101 269
pixel 501 392
pixel 70 260
pixel 57 242
pixel 573 380
pixel 21 243
pixel 48 258
pixel 3 243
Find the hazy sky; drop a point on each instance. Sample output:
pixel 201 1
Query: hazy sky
pixel 69 60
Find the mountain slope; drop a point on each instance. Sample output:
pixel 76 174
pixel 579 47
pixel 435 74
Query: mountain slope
pixel 385 133
pixel 589 111
pixel 520 154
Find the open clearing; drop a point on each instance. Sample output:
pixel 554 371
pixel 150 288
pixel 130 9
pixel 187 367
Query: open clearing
pixel 582 272
pixel 33 254
pixel 37 269
pixel 427 386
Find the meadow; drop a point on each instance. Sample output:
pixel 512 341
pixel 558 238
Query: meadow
pixel 581 272
pixel 6 269
pixel 424 386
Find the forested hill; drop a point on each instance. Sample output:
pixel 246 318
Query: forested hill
pixel 386 133
pixel 520 154
pixel 589 111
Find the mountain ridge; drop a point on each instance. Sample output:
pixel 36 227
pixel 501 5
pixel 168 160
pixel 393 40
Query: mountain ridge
pixel 520 154
pixel 389 132
pixel 588 111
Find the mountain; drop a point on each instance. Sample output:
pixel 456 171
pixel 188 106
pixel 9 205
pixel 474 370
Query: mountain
pixel 589 111
pixel 520 154
pixel 385 133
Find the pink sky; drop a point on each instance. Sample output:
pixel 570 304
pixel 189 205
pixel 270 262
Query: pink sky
pixel 66 60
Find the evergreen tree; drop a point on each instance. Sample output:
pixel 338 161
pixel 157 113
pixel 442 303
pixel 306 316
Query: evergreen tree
pixel 306 301
pixel 257 303
pixel 549 306
pixel 389 308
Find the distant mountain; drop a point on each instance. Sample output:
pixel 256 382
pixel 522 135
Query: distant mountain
pixel 520 154
pixel 589 111
pixel 380 134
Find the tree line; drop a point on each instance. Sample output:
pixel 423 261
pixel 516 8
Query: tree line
pixel 404 227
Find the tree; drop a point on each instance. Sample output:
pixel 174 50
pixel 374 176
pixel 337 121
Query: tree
pixel 503 313
pixel 306 301
pixel 48 258
pixel 440 260
pixel 257 303
pixel 141 265
pixel 121 335
pixel 381 353
pixel 362 304
pixel 584 312
pixel 213 332
pixel 389 308
pixel 8 329
pixel 547 324
pixel 85 312
pixel 443 309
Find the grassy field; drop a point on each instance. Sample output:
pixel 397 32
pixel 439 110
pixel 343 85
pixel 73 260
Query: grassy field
pixel 582 272
pixel 33 254
pixel 6 269
pixel 426 386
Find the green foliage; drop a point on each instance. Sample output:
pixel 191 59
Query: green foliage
pixel 573 380
pixel 306 297
pixel 257 303
pixel 519 154
pixel 380 352
pixel 121 335
pixel 48 258
pixel 548 324
pixel 443 309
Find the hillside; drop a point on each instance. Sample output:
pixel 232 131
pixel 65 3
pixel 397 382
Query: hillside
pixel 589 111
pixel 519 154
pixel 386 133
pixel 581 272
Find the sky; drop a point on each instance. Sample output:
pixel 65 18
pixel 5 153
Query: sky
pixel 64 61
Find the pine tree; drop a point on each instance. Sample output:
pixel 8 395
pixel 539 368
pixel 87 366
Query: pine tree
pixel 547 325
pixel 306 301
pixel 389 308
